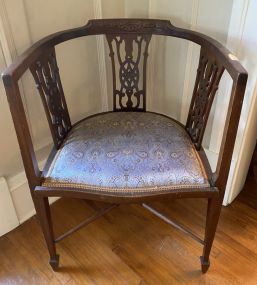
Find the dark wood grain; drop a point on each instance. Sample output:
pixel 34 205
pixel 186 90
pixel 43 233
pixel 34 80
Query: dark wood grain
pixel 47 78
pixel 207 81
pixel 41 60
pixel 129 70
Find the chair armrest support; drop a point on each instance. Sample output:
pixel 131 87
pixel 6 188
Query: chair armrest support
pixel 221 56
pixel 230 63
pixel 229 135
pixel 35 59
pixel 24 138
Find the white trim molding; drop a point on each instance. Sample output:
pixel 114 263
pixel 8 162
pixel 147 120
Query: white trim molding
pixel 101 58
pixel 8 44
pixel 247 145
pixel 18 189
pixel 242 41
pixel 9 219
pixel 151 62
pixel 186 97
pixel 6 37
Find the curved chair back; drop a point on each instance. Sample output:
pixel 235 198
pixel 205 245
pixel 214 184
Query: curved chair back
pixel 128 40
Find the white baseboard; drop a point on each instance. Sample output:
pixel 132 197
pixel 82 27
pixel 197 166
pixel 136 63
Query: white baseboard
pixel 8 216
pixel 21 198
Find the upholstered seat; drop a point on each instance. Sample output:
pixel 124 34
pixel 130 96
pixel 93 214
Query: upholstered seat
pixel 127 152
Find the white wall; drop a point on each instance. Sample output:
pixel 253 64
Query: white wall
pixel 10 161
pixel 86 74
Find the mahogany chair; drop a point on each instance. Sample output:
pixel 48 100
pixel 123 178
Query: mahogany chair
pixel 128 155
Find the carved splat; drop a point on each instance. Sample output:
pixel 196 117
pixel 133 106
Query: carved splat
pixel 46 75
pixel 129 83
pixel 207 81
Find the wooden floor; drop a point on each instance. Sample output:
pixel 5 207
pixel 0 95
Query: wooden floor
pixel 131 246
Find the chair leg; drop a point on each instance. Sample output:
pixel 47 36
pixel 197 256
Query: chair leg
pixel 44 216
pixel 213 213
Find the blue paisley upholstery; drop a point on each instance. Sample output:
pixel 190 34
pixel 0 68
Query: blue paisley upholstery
pixel 127 152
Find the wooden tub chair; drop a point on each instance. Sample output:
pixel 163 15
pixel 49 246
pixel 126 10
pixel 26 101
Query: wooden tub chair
pixel 128 155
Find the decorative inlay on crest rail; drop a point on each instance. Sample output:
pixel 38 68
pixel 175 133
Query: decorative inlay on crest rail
pixel 208 77
pixel 129 89
pixel 46 75
pixel 125 26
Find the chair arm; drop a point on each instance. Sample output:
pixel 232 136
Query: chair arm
pixel 239 76
pixel 23 134
pixel 217 55
pixel 41 60
pixel 31 59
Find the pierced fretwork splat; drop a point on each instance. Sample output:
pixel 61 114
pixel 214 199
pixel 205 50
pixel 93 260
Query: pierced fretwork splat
pixel 207 81
pixel 129 93
pixel 46 75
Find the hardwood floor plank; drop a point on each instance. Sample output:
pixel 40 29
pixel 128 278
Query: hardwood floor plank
pixel 131 246
pixel 91 252
pixel 19 269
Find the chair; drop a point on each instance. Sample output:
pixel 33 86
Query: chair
pixel 128 155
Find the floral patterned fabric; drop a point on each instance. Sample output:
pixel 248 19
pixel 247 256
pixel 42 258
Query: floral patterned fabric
pixel 127 151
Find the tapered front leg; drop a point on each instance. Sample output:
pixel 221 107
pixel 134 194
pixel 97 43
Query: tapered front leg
pixel 212 218
pixel 44 216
